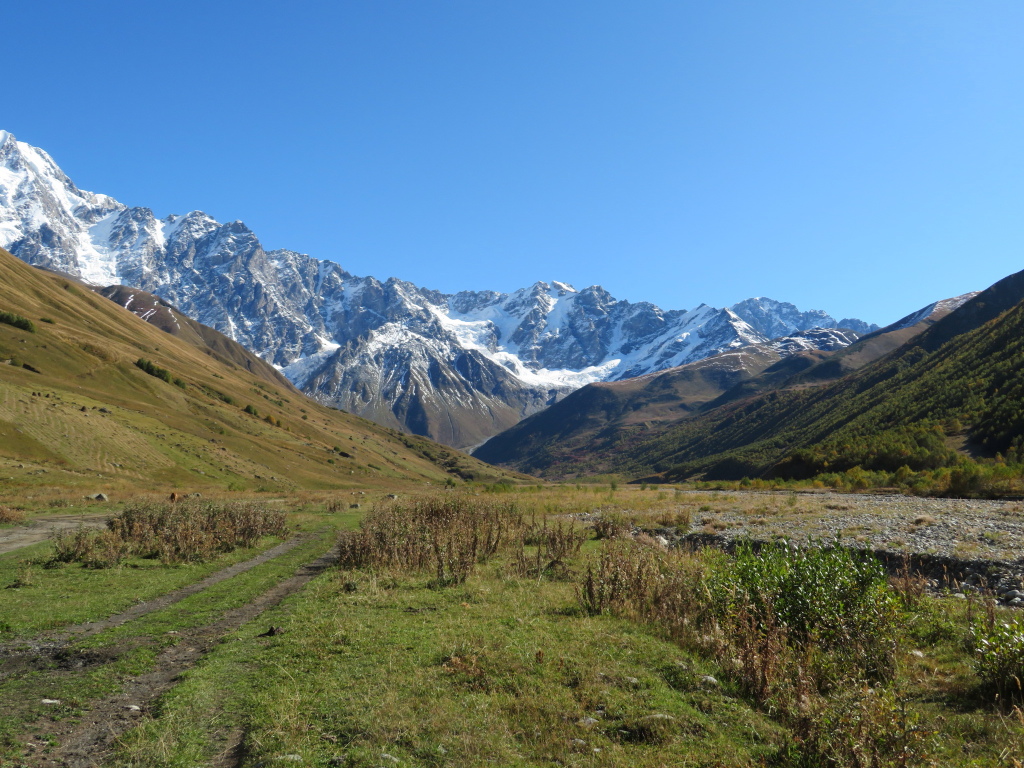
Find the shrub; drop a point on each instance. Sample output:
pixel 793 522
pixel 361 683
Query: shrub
pixel 678 519
pixel 554 543
pixel 175 533
pixel 612 525
pixel 91 547
pixel 646 583
pixel 161 373
pixel 448 534
pixel 8 515
pixel 999 655
pixel 9 318
pixel 827 597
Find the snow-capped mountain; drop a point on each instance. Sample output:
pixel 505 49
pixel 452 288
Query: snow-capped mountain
pixel 458 368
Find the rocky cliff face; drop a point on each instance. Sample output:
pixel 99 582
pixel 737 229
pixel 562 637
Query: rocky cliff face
pixel 458 368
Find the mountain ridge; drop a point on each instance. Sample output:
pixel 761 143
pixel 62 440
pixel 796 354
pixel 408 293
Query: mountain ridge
pixel 589 431
pixel 457 367
pixel 93 394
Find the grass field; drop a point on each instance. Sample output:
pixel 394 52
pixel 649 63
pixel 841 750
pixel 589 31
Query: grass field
pixel 396 658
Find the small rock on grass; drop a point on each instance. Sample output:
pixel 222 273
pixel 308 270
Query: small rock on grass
pixel 51 702
pixel 657 718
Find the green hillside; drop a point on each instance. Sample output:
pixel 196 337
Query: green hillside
pixel 76 408
pixel 950 394
pixel 937 405
pixel 598 429
pixel 583 433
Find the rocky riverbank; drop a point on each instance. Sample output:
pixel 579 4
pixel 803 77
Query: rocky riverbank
pixel 959 545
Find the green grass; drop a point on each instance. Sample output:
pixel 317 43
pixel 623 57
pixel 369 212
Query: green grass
pixel 511 671
pixel 204 607
pixel 71 594
pixel 506 671
pixel 496 672
pixel 128 650
pixel 55 597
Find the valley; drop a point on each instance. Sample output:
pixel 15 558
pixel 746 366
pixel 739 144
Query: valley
pixel 457 368
pixel 237 528
pixel 234 661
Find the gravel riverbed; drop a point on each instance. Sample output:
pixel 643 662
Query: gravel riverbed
pixel 962 545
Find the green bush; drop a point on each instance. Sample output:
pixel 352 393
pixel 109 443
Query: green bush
pixel 828 597
pixel 161 373
pixel 17 321
pixel 999 655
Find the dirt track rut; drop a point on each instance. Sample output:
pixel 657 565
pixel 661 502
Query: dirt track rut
pixel 89 741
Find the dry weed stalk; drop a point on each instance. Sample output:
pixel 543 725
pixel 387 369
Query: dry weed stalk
pixel 9 515
pixel 554 545
pixel 448 534
pixel 190 531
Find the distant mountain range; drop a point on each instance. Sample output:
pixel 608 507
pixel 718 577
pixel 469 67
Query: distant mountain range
pixel 616 427
pixel 458 368
pixel 936 399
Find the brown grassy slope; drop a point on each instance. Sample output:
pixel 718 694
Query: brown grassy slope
pixel 87 415
pixel 166 317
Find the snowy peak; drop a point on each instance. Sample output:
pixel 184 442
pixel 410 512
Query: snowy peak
pixel 932 311
pixel 778 318
pixel 457 367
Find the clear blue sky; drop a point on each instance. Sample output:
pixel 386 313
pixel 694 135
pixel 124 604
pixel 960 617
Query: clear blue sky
pixel 859 157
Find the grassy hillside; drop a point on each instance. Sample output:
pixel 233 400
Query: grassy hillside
pixel 158 312
pixel 76 409
pixel 951 392
pixel 575 434
pixel 597 429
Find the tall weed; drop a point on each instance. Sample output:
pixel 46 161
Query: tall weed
pixel 999 655
pixel 190 531
pixel 825 597
pixel 447 534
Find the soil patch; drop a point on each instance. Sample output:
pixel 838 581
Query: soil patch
pixel 41 528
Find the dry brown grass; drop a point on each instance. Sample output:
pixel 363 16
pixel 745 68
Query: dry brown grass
pixel 448 533
pixel 612 525
pixel 10 515
pixel 181 532
pixel 554 543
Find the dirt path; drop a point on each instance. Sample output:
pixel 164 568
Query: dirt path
pixel 51 642
pixel 40 528
pixel 90 741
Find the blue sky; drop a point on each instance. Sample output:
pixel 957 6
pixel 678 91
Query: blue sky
pixel 859 157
